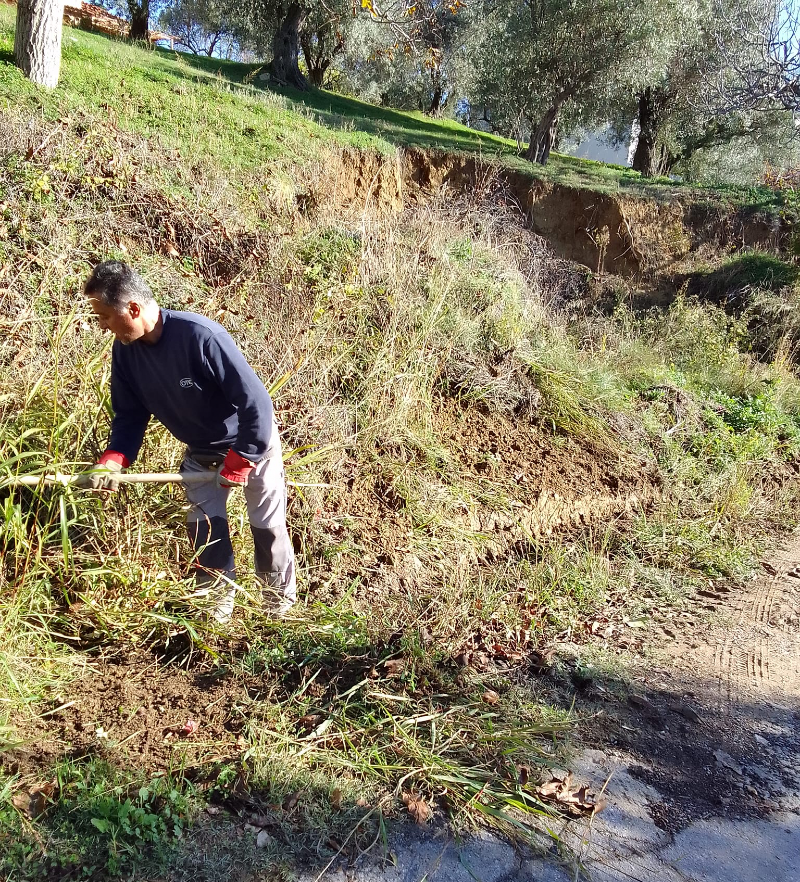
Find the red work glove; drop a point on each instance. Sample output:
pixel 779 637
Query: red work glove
pixel 104 474
pixel 234 471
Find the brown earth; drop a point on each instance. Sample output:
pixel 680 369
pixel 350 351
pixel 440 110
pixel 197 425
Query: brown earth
pixel 615 233
pixel 540 484
pixel 131 706
pixel 132 702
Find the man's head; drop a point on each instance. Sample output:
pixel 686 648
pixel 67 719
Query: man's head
pixel 121 300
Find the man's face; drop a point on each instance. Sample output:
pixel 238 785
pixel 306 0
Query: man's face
pixel 124 323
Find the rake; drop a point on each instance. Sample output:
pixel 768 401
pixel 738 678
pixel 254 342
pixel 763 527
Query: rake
pixel 137 478
pixel 60 479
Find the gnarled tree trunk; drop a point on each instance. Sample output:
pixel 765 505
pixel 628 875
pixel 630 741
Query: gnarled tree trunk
pixel 286 49
pixel 140 18
pixel 544 136
pixel 437 105
pixel 37 40
pixel 649 157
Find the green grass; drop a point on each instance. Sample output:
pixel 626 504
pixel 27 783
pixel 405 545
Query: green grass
pixel 174 95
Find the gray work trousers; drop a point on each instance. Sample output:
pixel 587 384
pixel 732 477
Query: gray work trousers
pixel 207 523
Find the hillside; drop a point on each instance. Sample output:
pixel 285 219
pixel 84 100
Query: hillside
pixel 504 471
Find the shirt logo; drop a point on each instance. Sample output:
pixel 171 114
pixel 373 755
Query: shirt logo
pixel 186 383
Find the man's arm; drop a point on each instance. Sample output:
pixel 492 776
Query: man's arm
pixel 242 387
pixel 130 417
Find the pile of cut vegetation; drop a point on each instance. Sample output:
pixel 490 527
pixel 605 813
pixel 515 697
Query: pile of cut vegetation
pixel 482 463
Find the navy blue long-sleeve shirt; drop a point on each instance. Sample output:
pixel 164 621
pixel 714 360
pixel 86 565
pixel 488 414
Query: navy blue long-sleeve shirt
pixel 196 382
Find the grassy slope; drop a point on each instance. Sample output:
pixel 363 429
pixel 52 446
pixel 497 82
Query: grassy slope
pixel 260 124
pixel 411 354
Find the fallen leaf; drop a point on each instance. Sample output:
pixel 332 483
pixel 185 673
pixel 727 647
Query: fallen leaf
pixel 394 666
pixel 240 786
pixel 416 806
pixel 573 802
pixel 523 776
pixel 336 798
pixel 686 711
pixel 491 697
pixel 308 723
pixel 291 801
pixel 33 802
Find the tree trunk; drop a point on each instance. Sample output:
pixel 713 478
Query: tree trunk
pixel 317 64
pixel 286 49
pixel 37 40
pixel 316 73
pixel 140 19
pixel 544 136
pixel 437 105
pixel 648 159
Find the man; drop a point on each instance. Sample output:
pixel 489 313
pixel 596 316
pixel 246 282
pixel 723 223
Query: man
pixel 186 371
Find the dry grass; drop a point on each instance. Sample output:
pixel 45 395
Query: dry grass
pixel 427 374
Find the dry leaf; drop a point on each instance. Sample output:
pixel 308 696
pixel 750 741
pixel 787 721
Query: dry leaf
pixel 336 798
pixel 491 697
pixel 34 802
pixel 291 801
pixel 417 807
pixel 394 666
pixel 169 249
pixel 523 776
pixel 308 723
pixel 573 802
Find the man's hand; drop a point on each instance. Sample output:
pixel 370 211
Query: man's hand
pixel 104 474
pixel 234 471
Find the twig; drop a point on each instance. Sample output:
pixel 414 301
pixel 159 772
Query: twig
pixel 341 847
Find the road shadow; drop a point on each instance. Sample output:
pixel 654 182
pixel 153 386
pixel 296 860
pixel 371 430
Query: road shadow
pixel 705 756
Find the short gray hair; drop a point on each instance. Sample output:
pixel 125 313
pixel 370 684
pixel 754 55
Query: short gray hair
pixel 116 284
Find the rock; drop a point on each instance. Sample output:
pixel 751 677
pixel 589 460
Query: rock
pixel 263 839
pixel 639 701
pixel 727 761
pixel 686 711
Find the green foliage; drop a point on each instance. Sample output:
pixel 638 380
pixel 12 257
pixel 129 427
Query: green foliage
pixel 100 823
pixel 747 273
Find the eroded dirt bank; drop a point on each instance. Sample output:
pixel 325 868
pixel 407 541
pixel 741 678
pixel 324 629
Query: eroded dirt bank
pixel 619 233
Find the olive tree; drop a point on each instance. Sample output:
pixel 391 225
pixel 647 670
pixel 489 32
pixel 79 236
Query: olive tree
pixel 37 40
pixel 424 69
pixel 690 70
pixel 537 57
pixel 204 27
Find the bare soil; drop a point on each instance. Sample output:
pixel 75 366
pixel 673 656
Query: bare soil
pixel 142 708
pixel 607 232
pixel 130 706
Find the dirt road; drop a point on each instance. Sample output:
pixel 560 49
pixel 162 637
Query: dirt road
pixel 701 764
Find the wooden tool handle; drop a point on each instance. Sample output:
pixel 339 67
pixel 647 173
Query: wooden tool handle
pixel 135 478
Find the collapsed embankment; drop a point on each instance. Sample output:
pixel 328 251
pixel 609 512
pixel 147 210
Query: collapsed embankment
pixel 623 234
